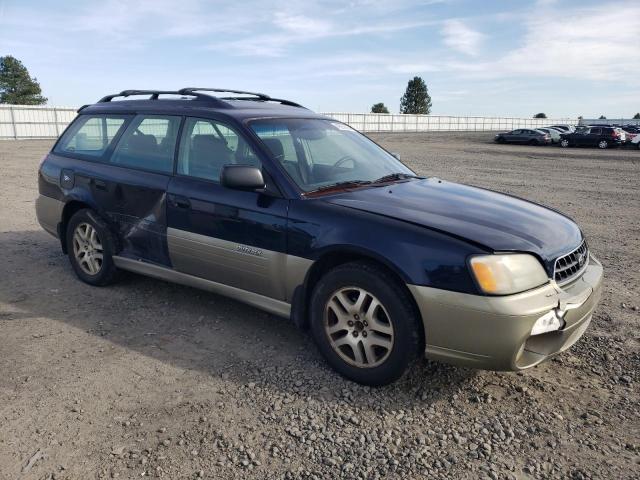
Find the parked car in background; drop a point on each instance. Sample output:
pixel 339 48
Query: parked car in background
pixel 635 142
pixel 565 128
pixel 630 132
pixel 557 129
pixel 601 137
pixel 552 132
pixel 524 135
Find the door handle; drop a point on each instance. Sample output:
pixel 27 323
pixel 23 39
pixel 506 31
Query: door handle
pixel 99 184
pixel 180 201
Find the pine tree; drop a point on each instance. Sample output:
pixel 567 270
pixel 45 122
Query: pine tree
pixel 16 85
pixel 416 98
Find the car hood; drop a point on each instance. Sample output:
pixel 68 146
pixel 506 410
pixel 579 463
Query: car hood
pixel 497 221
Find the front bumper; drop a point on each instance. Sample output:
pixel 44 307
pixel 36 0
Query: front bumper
pixel 494 333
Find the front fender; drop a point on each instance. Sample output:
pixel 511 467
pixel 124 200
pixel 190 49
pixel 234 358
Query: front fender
pixel 420 256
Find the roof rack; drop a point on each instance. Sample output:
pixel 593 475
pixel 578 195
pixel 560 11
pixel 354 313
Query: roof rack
pixel 196 92
pixel 260 96
pixel 154 94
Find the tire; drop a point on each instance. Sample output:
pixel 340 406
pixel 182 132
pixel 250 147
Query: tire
pixel 564 143
pixel 603 144
pixel 533 142
pixel 391 330
pixel 90 247
pixel 638 145
pixel 501 140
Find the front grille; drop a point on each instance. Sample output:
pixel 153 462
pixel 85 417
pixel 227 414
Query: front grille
pixel 571 265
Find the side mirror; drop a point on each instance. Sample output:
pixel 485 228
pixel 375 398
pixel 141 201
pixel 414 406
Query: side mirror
pixel 242 177
pixel 396 154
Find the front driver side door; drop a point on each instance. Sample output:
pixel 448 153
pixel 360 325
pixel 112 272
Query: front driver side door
pixel 233 237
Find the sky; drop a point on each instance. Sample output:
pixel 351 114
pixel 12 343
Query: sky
pixel 489 57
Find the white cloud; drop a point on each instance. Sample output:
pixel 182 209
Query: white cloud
pixel 460 37
pixel 302 24
pixel 596 43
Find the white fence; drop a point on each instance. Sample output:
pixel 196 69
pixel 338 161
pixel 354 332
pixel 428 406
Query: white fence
pixel 22 122
pixel 382 122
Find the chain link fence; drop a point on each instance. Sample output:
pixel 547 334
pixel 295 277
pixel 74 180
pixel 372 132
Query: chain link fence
pixel 24 122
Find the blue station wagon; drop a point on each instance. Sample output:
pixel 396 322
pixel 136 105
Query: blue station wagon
pixel 266 202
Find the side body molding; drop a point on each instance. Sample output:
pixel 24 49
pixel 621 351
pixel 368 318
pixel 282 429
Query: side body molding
pixel 277 307
pixel 258 270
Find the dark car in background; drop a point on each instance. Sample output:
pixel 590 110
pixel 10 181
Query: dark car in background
pixel 269 203
pixel 592 136
pixel 524 136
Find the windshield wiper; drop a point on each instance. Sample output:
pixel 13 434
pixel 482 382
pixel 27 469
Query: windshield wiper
pixel 395 176
pixel 345 184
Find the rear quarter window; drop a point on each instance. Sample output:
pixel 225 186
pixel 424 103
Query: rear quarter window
pixel 90 135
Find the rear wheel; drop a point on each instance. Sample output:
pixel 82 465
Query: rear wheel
pixel 603 144
pixel 90 247
pixel 500 140
pixel 533 142
pixel 564 143
pixel 364 323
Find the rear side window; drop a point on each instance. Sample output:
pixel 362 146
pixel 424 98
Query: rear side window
pixel 148 143
pixel 596 131
pixel 90 135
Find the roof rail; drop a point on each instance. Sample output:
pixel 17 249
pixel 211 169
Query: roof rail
pixel 260 96
pixel 190 90
pixel 154 94
pixel 196 92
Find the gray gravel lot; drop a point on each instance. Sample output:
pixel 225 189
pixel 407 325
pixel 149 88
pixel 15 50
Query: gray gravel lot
pixel 146 378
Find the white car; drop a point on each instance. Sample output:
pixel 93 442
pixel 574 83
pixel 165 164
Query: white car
pixel 636 141
pixel 552 132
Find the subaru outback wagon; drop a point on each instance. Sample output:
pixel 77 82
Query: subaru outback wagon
pixel 266 202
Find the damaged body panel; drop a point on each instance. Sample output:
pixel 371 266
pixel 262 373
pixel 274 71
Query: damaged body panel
pixel 133 203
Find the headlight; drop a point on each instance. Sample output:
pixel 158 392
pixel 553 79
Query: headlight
pixel 508 273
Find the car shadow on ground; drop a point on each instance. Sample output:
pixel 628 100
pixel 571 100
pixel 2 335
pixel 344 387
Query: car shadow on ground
pixel 189 328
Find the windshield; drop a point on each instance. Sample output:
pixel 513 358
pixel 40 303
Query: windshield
pixel 318 153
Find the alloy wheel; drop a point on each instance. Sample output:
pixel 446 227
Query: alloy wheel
pixel 358 327
pixel 603 144
pixel 87 248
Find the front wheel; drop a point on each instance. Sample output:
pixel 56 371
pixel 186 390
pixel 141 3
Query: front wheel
pixel 603 144
pixel 564 143
pixel 364 323
pixel 91 247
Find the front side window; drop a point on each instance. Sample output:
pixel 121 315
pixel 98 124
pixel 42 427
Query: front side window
pixel 90 135
pixel 317 153
pixel 208 145
pixel 149 143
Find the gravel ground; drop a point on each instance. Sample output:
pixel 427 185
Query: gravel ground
pixel 146 378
